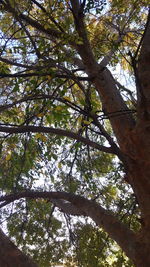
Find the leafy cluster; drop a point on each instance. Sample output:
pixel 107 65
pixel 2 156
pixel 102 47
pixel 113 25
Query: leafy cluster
pixel 43 84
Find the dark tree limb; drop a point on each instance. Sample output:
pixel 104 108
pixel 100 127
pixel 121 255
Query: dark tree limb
pixel 77 204
pixel 59 132
pixel 10 255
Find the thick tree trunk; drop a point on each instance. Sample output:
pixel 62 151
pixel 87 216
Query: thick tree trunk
pixel 11 256
pixel 143 78
pixel 134 142
pixel 137 151
pixel 142 254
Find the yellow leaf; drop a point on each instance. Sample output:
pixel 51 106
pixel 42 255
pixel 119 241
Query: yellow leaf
pixel 8 156
pixel 87 122
pixel 67 98
pixel 61 5
pixel 59 108
pixel 37 135
pixel 46 26
pixel 49 77
pixel 43 138
pixel 12 146
pixel 40 136
pixel 40 115
pixel 28 88
pixel 60 165
pixel 79 42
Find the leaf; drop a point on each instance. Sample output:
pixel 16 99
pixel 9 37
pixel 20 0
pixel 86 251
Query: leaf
pixel 87 122
pixel 49 77
pixel 40 115
pixel 60 87
pixel 16 88
pixel 40 136
pixel 67 98
pixel 8 156
pixel 79 42
pixel 59 108
pixel 60 165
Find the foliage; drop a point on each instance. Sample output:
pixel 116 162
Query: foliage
pixel 91 250
pixel 44 84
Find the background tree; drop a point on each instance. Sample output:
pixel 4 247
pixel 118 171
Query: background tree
pixel 75 132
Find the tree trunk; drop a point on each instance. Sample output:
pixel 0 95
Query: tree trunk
pixel 10 255
pixel 133 143
pixel 142 255
pixel 135 245
pixel 137 149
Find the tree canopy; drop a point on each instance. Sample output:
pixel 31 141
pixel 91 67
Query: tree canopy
pixel 75 132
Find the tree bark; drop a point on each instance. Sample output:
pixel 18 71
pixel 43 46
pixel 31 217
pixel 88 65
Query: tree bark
pixel 138 139
pixel 10 255
pixel 136 246
pixel 133 139
pixel 59 132
pixel 143 75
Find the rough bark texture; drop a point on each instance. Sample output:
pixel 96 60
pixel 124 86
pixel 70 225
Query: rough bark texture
pixel 134 149
pixel 135 246
pixel 10 255
pixel 77 205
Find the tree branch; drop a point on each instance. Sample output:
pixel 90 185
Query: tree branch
pixel 84 49
pixel 103 80
pixel 10 255
pixel 32 22
pixel 40 74
pixel 116 229
pixel 48 14
pixel 13 63
pixel 59 132
pixel 67 207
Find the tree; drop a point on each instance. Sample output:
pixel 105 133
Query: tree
pixel 74 136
